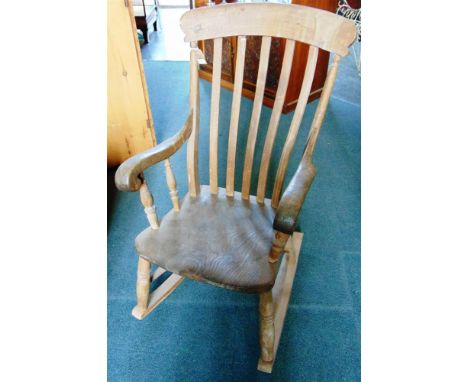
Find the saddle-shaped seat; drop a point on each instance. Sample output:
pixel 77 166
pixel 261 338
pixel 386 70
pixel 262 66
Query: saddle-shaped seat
pixel 217 239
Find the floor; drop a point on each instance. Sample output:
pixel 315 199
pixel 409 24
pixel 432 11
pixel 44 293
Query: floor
pixel 348 81
pixel 204 333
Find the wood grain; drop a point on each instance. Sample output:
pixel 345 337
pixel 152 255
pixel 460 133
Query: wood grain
pixel 172 185
pixel 274 119
pixel 127 176
pixel 142 287
pixel 281 294
pixel 222 237
pixel 214 115
pixel 277 246
pixel 267 328
pixel 160 294
pixel 309 25
pixel 192 147
pixel 276 52
pixel 129 121
pixel 147 201
pixel 235 110
pixel 293 198
pixel 205 242
pixel 255 119
pixel 295 124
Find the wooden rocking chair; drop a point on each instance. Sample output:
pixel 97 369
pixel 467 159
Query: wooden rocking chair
pixel 227 238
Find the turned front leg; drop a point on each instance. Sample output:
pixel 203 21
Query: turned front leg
pixel 142 287
pixel 144 266
pixel 267 326
pixel 277 247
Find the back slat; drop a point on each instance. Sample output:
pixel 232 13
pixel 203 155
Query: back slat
pixel 214 116
pixel 275 117
pixel 298 114
pixel 257 107
pixel 236 102
pixel 322 107
pixel 192 147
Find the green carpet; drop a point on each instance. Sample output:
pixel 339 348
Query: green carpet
pixel 204 333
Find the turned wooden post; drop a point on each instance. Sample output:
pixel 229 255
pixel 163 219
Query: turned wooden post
pixel 267 326
pixel 278 246
pixel 144 266
pixel 171 183
pixel 142 288
pixel 147 201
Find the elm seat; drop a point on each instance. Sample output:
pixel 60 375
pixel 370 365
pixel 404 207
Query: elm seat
pixel 220 240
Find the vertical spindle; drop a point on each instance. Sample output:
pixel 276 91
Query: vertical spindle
pixel 278 245
pixel 171 183
pixel 192 146
pixel 147 201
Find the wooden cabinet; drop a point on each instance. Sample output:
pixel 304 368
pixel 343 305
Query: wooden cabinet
pixel 129 123
pixel 146 15
pixel 274 66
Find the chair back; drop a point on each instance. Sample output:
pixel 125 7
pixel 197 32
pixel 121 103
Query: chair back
pixel 295 23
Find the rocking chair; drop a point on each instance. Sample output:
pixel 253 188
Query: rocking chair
pixel 220 236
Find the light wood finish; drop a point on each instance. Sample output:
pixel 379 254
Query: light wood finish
pixel 127 176
pixel 322 108
pixel 255 119
pixel 215 239
pixel 129 122
pixel 275 118
pixel 305 24
pixel 163 291
pixel 172 185
pixel 281 294
pixel 142 287
pixel 267 328
pixel 147 201
pixel 222 237
pixel 295 124
pixel 293 197
pixel 235 109
pixel 214 116
pixel 158 295
pixel 192 148
pixel 277 246
pixel 277 52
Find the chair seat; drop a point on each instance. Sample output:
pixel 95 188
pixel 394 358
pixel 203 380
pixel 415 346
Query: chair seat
pixel 216 239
